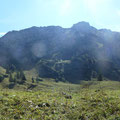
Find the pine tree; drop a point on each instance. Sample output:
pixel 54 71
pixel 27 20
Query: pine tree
pixel 100 77
pixel 12 68
pixel 18 75
pixel 7 70
pixel 11 78
pixel 32 80
pixel 15 79
pixel 22 77
pixel 1 78
pixel 37 80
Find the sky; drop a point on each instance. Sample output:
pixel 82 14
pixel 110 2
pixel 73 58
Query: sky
pixel 21 14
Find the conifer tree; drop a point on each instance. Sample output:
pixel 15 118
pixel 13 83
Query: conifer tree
pixel 11 78
pixel 100 77
pixel 22 77
pixel 7 70
pixel 32 80
pixel 18 75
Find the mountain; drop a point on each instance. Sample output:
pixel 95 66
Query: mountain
pixel 65 54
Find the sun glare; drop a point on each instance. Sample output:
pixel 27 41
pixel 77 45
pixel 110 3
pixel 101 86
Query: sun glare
pixel 66 7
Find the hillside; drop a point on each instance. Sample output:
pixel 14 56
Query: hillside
pixel 38 66
pixel 65 54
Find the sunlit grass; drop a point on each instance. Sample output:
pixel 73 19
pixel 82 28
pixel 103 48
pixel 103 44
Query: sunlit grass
pixel 96 101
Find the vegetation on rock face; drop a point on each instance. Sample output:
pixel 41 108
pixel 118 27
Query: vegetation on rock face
pixel 72 54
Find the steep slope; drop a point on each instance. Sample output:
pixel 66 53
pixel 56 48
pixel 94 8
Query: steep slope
pixel 66 54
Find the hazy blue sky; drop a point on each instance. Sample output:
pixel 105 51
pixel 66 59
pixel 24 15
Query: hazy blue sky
pixel 20 14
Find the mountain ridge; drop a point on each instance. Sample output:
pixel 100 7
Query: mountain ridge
pixel 102 29
pixel 81 52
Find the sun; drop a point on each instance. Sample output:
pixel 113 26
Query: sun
pixel 66 7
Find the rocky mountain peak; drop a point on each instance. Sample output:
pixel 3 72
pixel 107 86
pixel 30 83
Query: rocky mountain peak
pixel 70 54
pixel 83 27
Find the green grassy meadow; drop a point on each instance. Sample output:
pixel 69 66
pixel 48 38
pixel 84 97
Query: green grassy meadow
pixel 90 100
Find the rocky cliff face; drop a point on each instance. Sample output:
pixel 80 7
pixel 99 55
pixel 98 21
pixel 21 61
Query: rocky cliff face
pixel 73 54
